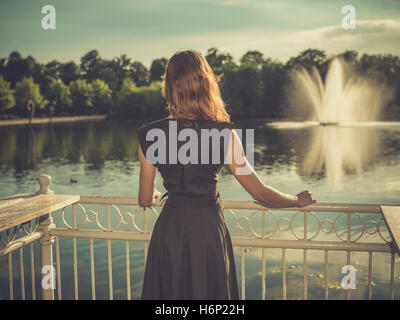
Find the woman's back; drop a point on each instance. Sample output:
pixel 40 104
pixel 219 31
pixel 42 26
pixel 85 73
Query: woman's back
pixel 189 154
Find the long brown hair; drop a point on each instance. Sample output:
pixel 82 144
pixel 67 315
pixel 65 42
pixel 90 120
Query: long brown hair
pixel 191 88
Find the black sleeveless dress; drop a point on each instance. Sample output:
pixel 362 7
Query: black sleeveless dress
pixel 190 254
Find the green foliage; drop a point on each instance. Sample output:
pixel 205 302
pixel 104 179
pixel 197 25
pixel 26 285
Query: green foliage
pixel 17 67
pixel 143 101
pixel 89 64
pixel 157 69
pixel 53 69
pixel 121 68
pixel 27 89
pixel 309 58
pixel 102 99
pixel 59 93
pixel 139 74
pixel 109 76
pixel 252 59
pixel 349 55
pixel 6 95
pixel 114 71
pixel 385 69
pixel 273 79
pixel 241 91
pixel 69 71
pixel 253 87
pixel 82 96
pixel 220 61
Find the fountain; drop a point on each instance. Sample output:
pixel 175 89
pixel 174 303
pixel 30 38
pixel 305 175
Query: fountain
pixel 343 109
pixel 344 98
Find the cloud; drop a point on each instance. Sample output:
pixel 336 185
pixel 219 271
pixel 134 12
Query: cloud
pixel 370 36
pixel 363 28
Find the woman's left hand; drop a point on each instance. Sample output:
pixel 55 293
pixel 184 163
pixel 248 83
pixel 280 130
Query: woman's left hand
pixel 305 198
pixel 157 194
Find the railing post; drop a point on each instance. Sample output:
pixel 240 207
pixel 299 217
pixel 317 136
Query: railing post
pixel 46 244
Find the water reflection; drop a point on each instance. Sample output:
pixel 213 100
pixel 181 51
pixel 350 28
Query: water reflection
pixel 333 152
pixel 23 148
pixel 337 151
pixel 316 152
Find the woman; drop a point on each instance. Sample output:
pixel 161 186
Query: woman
pixel 190 254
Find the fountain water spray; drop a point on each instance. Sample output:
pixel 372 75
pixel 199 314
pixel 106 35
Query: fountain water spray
pixel 344 98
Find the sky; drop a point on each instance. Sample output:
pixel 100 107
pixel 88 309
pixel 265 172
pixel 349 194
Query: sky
pixel 149 29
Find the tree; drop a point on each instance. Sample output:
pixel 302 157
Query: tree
pixel 69 71
pixel 7 100
pixel 27 89
pixel 385 70
pixel 113 72
pixel 39 75
pixel 15 55
pixel 139 74
pixel 128 86
pixel 219 61
pixel 252 59
pixel 53 69
pixel 109 76
pixel 157 69
pixel 89 64
pixel 349 55
pixel 102 96
pixel 156 104
pixel 309 58
pixel 241 91
pixel 18 67
pixel 121 68
pixel 273 79
pixel 3 63
pixel 142 101
pixel 59 93
pixel 82 96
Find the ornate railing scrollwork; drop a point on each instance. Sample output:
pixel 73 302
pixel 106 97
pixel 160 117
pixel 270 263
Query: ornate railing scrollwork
pixel 278 224
pixel 126 218
pixel 18 233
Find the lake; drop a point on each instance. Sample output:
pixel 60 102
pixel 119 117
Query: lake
pixel 349 164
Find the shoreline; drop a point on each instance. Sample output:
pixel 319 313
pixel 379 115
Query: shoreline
pixel 46 120
pixel 25 121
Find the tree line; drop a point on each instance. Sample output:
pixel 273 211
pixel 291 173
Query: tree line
pixel 255 86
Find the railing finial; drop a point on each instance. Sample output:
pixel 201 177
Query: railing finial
pixel 44 182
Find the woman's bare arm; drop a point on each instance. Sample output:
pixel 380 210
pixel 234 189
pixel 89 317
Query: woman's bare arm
pixel 251 182
pixel 147 190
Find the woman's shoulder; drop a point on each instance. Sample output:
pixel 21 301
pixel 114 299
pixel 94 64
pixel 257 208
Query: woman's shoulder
pixel 154 124
pixel 163 123
pixel 219 124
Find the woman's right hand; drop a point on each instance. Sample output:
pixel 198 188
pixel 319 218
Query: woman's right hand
pixel 304 198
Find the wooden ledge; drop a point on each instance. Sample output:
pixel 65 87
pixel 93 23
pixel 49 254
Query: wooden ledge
pixel 19 209
pixel 391 215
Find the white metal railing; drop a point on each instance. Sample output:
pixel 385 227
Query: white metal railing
pixel 323 227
